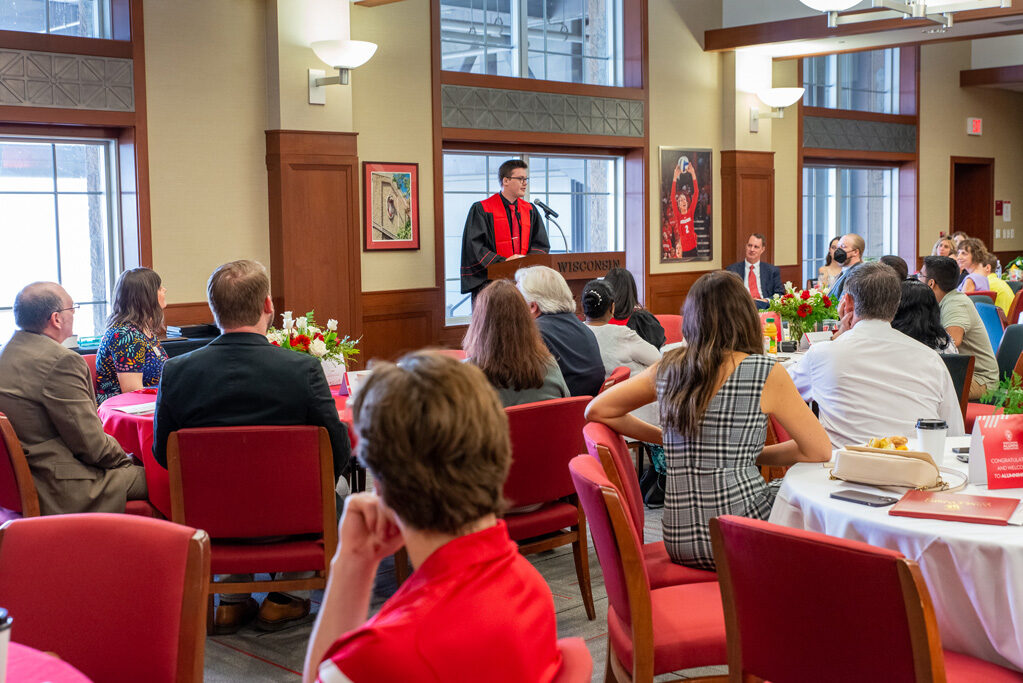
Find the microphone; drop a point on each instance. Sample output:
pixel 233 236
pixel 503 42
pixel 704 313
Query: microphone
pixel 548 210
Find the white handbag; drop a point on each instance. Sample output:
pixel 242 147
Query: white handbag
pixel 889 467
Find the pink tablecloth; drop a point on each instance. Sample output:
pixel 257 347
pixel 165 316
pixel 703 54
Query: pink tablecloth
pixel 135 434
pixel 28 665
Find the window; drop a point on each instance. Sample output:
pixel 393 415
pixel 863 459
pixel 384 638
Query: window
pixel 82 18
pixel 58 223
pixel 578 41
pixel 861 81
pixel 586 191
pixel 840 200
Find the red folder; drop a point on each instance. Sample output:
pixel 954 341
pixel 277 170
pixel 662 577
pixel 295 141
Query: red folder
pixel 955 507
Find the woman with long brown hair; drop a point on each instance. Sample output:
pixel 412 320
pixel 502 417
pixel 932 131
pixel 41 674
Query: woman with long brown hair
pixel 715 396
pixel 130 356
pixel 504 342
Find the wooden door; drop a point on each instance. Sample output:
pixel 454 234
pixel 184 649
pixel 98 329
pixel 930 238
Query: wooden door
pixel 972 197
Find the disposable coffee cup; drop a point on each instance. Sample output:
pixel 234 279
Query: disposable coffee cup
pixel 930 438
pixel 5 640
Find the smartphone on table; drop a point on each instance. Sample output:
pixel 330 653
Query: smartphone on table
pixel 864 498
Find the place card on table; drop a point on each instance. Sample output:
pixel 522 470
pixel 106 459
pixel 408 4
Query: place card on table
pixel 955 507
pixel 996 451
pixel 137 408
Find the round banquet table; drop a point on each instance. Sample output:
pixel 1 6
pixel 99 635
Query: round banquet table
pixel 974 571
pixel 28 665
pixel 135 434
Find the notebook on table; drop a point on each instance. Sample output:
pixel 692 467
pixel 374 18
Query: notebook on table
pixel 955 507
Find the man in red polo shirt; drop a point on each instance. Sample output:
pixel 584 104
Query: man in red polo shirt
pixel 433 433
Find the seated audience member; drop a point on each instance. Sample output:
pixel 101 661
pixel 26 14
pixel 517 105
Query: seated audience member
pixel 762 279
pixel 130 356
pixel 896 263
pixel 628 310
pixel 960 319
pixel 715 396
pixel 872 380
pixel 850 254
pixel 920 318
pixel 504 342
pixel 827 273
pixel 573 345
pixel 971 257
pixel 432 433
pixel 957 237
pixel 944 247
pixel 46 392
pixel 241 379
pixel 1002 290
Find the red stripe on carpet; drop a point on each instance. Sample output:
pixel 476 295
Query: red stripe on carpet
pixel 255 656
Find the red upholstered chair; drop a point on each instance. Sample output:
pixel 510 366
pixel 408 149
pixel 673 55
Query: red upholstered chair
pixel 650 632
pixel 1015 308
pixel 120 598
pixel 672 325
pixel 544 437
pixel 17 490
pixel 983 295
pixel 975 410
pixel 242 483
pixel 90 360
pixel 837 610
pixel 576 663
pixel 618 375
pixel 609 448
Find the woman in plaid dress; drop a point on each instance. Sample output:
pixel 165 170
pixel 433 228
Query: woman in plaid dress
pixel 715 396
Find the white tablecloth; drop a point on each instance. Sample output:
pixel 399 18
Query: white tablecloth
pixel 974 571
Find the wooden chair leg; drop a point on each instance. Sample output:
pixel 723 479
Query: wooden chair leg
pixel 609 671
pixel 210 612
pixel 582 566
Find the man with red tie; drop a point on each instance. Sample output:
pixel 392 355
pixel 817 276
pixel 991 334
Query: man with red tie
pixel 762 280
pixel 503 226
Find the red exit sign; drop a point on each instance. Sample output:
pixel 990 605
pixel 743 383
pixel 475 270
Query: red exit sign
pixel 974 126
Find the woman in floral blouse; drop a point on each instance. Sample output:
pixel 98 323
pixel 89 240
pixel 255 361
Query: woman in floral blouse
pixel 130 356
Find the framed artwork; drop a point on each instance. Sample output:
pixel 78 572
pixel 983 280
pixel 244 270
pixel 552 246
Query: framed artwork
pixel 687 229
pixel 390 205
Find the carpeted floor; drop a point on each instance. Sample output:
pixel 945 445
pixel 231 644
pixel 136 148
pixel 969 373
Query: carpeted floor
pixel 257 657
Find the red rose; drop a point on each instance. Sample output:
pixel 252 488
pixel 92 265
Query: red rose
pixel 805 295
pixel 827 301
pixel 789 296
pixel 804 310
pixel 318 336
pixel 301 341
pixel 275 343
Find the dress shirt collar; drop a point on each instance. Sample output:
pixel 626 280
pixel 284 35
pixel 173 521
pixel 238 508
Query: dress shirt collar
pixel 480 547
pixel 872 328
pixel 507 204
pixel 753 265
pixel 246 338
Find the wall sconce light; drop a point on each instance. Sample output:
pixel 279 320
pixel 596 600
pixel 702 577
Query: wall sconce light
pixel 342 55
pixel 775 98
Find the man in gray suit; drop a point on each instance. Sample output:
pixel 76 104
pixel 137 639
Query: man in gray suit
pixel 46 392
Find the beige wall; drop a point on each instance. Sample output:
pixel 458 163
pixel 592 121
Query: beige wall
pixel 394 119
pixel 685 105
pixel 205 82
pixel 945 108
pixel 784 142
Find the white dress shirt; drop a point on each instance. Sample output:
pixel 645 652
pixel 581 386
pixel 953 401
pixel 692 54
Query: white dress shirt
pixel 756 273
pixel 874 381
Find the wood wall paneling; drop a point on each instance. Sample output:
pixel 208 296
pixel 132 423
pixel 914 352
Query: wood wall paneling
pixel 191 313
pixel 395 322
pixel 315 236
pixel 747 202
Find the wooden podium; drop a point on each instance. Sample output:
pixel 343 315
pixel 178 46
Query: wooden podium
pixel 577 269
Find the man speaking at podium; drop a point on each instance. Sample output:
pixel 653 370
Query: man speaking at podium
pixel 502 227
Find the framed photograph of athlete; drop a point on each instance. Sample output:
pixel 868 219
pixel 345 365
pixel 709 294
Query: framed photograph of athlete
pixel 391 205
pixel 686 225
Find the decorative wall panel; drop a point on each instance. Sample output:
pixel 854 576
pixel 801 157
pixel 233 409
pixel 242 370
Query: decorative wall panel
pixel 45 79
pixel 853 134
pixel 494 109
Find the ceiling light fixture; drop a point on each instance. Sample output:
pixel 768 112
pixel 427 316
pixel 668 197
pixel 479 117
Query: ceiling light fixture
pixel 938 11
pixel 777 99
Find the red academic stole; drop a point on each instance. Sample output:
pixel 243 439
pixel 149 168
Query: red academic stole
pixel 506 245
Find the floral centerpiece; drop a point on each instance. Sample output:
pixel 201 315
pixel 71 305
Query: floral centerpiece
pixel 302 335
pixel 803 309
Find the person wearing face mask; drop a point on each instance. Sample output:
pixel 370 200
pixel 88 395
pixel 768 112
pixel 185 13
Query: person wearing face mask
pixel 762 280
pixel 849 255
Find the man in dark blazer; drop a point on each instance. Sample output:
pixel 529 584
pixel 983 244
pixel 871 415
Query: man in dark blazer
pixel 240 379
pixel 762 280
pixel 46 393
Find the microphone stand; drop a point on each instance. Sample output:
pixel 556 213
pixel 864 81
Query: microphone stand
pixel 551 220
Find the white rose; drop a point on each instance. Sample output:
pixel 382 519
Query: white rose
pixel 318 348
pixel 332 325
pixel 275 336
pixel 300 323
pixel 313 330
pixel 287 320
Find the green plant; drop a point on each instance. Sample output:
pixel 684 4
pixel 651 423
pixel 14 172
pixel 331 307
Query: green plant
pixel 803 309
pixel 1008 395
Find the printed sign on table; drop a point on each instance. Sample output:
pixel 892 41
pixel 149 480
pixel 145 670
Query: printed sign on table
pixel 996 451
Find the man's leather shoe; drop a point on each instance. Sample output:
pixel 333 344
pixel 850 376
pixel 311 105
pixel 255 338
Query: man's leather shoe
pixel 274 616
pixel 231 616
